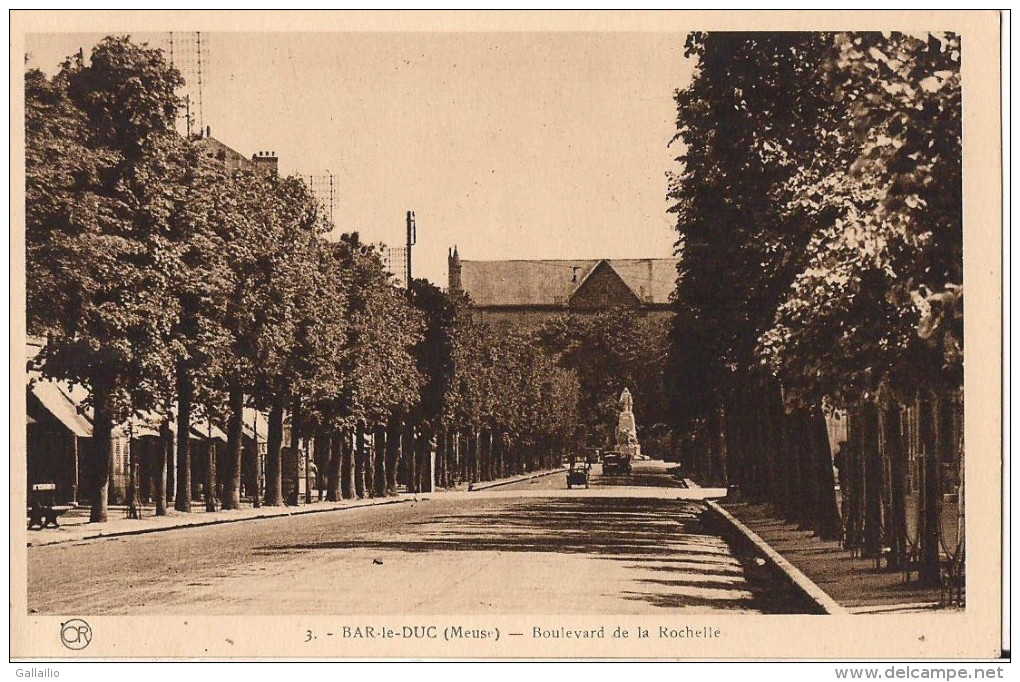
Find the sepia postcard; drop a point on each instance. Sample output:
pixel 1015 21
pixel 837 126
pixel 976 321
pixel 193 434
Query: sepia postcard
pixel 506 335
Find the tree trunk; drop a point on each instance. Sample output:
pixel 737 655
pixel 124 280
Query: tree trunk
pixel 163 455
pixel 476 468
pixel 132 482
pixel 929 418
pixel 717 436
pixel 185 392
pixel 896 525
pixel 485 452
pixel 440 456
pixel 274 462
pixel 210 475
pixel 294 493
pixel 462 455
pixel 260 471
pixel 496 453
pixel 827 523
pixel 737 469
pixel 347 458
pixel 102 435
pixel 320 458
pixel 395 428
pixel 171 466
pixel 787 464
pixel 449 456
pixel 235 432
pixel 772 427
pixel 873 475
pixel 360 457
pixel 423 456
pixel 333 468
pixel 379 468
pixel 799 490
pixel 409 448
pixel 764 434
pixel 851 482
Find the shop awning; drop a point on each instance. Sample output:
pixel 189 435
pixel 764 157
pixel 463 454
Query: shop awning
pixel 60 405
pixel 201 428
pixel 255 424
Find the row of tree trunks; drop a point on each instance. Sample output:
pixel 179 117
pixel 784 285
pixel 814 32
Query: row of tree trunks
pixel 765 452
pixel 363 461
pixel 875 480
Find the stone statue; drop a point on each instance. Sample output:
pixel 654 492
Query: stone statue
pixel 626 401
pixel 626 429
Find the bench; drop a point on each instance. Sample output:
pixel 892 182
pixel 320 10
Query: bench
pixel 42 513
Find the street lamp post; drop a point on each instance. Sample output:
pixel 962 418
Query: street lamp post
pixel 257 496
pixel 308 475
pixel 132 487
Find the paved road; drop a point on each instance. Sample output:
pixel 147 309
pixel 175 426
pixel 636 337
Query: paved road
pixel 532 547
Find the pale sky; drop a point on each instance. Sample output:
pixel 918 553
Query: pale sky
pixel 509 145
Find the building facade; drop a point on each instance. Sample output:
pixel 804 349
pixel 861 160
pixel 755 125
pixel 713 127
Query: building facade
pixel 529 292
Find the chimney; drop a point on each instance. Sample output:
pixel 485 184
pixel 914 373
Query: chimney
pixel 266 162
pixel 208 131
pixel 453 265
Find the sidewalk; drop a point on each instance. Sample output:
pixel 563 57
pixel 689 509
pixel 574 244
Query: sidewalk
pixel 75 526
pixel 853 583
pixel 513 479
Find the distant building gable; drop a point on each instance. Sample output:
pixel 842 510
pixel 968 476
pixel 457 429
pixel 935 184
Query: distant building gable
pixel 563 283
pixel 603 288
pixel 527 292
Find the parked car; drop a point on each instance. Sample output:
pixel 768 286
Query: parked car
pixel 614 462
pixel 577 475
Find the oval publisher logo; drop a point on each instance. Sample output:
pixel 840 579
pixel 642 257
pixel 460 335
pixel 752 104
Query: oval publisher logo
pixel 75 634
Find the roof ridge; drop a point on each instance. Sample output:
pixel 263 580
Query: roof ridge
pixel 562 260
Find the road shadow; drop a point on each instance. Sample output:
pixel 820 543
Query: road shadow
pixel 633 530
pixel 639 478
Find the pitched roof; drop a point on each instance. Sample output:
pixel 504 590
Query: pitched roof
pixel 553 282
pixel 230 158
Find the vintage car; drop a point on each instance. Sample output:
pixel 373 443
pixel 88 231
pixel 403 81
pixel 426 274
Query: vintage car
pixel 614 462
pixel 577 475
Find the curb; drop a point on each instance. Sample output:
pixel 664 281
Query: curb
pixel 99 534
pixel 800 581
pixel 285 511
pixel 706 493
pixel 526 477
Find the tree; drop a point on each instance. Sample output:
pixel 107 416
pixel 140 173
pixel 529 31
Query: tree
pixel 889 233
pixel 743 125
pixel 610 351
pixel 102 169
pixel 875 315
pixel 517 409
pixel 278 315
pixel 434 358
pixel 373 373
pixel 819 222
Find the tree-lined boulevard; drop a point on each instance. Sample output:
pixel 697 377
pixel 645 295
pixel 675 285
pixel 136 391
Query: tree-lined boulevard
pixel 530 547
pixel 812 359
